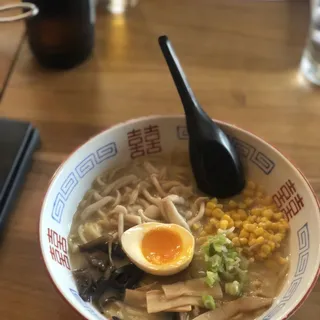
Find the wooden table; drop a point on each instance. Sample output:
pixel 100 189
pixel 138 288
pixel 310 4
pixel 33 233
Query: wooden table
pixel 241 58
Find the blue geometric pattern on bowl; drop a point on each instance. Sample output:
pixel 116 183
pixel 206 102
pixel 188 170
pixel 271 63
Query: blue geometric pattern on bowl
pixel 303 245
pixel 86 165
pixel 262 161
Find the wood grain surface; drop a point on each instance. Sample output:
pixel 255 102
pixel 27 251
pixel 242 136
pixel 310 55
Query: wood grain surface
pixel 241 58
pixel 10 37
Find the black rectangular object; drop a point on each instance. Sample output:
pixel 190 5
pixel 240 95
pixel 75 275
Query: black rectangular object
pixel 18 140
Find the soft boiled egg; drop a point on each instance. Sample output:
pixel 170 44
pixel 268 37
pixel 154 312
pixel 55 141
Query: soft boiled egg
pixel 158 248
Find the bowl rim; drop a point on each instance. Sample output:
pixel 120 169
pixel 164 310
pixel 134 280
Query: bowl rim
pixel 175 116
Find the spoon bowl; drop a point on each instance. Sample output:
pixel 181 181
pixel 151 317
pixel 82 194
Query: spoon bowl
pixel 215 162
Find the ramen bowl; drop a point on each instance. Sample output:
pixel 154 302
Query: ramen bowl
pixel 156 135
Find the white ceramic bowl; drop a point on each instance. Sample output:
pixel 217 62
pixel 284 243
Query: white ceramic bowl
pixel 163 134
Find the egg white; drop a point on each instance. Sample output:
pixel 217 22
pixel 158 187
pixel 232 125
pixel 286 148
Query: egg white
pixel 131 241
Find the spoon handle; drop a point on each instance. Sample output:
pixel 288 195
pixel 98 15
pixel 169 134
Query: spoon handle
pixel 189 102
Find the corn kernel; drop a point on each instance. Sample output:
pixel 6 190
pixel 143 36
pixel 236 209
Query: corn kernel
pixel 267 213
pixel 262 225
pixel 230 213
pixel 245 222
pixel 230 224
pixel 277 216
pixel 220 206
pixel 260 240
pixel 214 200
pixel 226 217
pixel 243 214
pixel 203 233
pixel 252 236
pixel 236 241
pixel 217 213
pixel 282 229
pixel 259 231
pixel 243 241
pixel 266 235
pixel 238 224
pixel 266 201
pixel 264 219
pixel 231 235
pixel 284 223
pixel 273 207
pixel 277 237
pixel 248 201
pixel 214 222
pixel 251 185
pixel 272 245
pixel 236 216
pixel 242 205
pixel 252 242
pixel 256 211
pixel 211 205
pixel 232 204
pixel 244 234
pixel 196 226
pixel 252 219
pixel 269 225
pixel 273 226
pixel 223 224
pixel 266 249
pixel 208 212
pixel 249 227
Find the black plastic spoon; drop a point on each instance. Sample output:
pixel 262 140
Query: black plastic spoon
pixel 215 162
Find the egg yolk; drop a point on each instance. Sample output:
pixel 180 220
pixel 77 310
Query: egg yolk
pixel 161 245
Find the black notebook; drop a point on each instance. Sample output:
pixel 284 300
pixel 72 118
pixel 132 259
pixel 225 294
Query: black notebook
pixel 18 140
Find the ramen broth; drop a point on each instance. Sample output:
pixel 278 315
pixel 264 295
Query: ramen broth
pixel 123 197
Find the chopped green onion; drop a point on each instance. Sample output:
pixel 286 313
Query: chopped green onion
pixel 214 263
pixel 231 262
pixel 223 261
pixel 208 302
pixel 233 288
pixel 219 242
pixel 212 278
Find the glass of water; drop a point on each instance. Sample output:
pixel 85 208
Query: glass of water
pixel 310 62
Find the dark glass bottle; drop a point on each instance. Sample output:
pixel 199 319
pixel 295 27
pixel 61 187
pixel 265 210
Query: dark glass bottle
pixel 61 36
